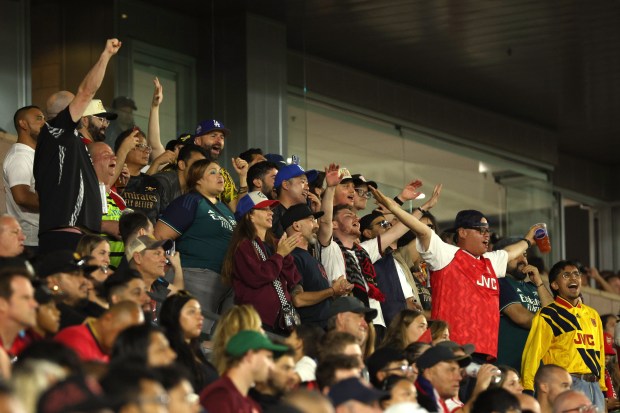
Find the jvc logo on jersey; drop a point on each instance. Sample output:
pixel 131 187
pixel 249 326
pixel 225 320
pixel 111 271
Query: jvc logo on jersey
pixel 587 339
pixel 487 282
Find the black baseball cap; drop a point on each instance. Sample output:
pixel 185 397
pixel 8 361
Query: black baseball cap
pixel 467 348
pixel 367 219
pixel 298 212
pixel 63 261
pixel 353 389
pixel 468 218
pixel 358 179
pixel 353 305
pixel 437 354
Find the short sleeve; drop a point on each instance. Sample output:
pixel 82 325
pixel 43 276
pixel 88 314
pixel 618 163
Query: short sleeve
pixel 439 254
pixel 181 212
pixel 499 261
pixel 18 169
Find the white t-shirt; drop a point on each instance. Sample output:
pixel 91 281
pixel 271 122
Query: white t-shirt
pixel 333 261
pixel 17 168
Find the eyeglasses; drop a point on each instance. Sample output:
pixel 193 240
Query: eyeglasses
pixel 383 224
pixel 592 408
pixel 481 230
pixel 103 121
pixel 144 148
pixel 568 275
pixel 362 193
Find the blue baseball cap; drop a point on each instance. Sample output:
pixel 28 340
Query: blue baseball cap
pixel 291 171
pixel 253 200
pixel 209 125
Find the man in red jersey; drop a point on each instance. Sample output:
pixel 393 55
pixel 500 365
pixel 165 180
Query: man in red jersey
pixel 464 283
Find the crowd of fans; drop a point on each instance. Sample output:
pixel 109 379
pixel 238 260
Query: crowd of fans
pixel 138 277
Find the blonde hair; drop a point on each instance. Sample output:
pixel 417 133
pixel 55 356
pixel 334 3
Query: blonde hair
pixel 32 378
pixel 235 319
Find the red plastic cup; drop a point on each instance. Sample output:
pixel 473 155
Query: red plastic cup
pixel 541 236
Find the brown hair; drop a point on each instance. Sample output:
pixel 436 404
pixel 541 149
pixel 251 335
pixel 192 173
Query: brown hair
pixel 244 230
pixel 196 172
pixel 396 334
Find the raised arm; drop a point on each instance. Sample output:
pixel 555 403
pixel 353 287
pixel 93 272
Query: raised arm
pixel 154 136
pixel 91 83
pixel 518 248
pixel 407 221
pixel 332 178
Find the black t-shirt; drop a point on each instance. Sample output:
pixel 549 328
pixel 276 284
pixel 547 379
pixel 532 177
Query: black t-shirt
pixel 65 178
pixel 169 188
pixel 276 226
pixel 142 194
pixel 313 278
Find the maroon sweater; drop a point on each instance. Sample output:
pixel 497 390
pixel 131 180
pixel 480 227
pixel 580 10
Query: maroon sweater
pixel 253 279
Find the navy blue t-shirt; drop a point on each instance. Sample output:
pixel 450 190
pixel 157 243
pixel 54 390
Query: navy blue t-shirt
pixel 313 278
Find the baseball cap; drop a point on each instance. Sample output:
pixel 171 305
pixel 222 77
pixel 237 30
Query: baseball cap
pixel 346 175
pixel 358 179
pixel 437 354
pixel 353 305
pixel 95 108
pixel 380 359
pixel 123 102
pixel 367 219
pixel 296 213
pixel 65 261
pixel 253 200
pixel 291 171
pixel 468 218
pixel 353 389
pixel 247 340
pixel 467 348
pixel 277 159
pixel 145 242
pixel 209 125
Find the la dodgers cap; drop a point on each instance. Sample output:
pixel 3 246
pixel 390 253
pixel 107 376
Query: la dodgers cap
pixel 209 125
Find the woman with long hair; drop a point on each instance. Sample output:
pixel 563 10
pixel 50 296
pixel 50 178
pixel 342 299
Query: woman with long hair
pixel 202 226
pixel 143 344
pixel 96 252
pixel 235 319
pixel 182 320
pixel 406 328
pixel 255 259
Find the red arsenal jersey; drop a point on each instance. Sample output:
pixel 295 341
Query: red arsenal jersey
pixel 465 293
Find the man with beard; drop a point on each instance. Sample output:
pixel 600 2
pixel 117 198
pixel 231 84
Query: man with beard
pixel 311 295
pixel 519 300
pixel 262 177
pixel 210 136
pixel 280 382
pixel 22 201
pixel 94 122
pixel 569 334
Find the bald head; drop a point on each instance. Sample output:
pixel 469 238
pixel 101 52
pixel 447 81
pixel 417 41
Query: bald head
pixel 528 403
pixel 116 319
pixel 570 400
pixel 57 102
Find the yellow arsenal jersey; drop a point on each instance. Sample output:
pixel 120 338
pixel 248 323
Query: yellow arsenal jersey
pixel 571 337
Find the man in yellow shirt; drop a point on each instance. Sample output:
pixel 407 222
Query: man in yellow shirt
pixel 569 334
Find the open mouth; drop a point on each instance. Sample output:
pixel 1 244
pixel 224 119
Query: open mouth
pixel 216 148
pixel 573 286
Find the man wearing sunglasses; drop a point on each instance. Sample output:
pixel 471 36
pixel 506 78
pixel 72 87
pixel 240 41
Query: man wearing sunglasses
pixel 569 334
pixel 392 271
pixel 465 290
pixel 95 120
